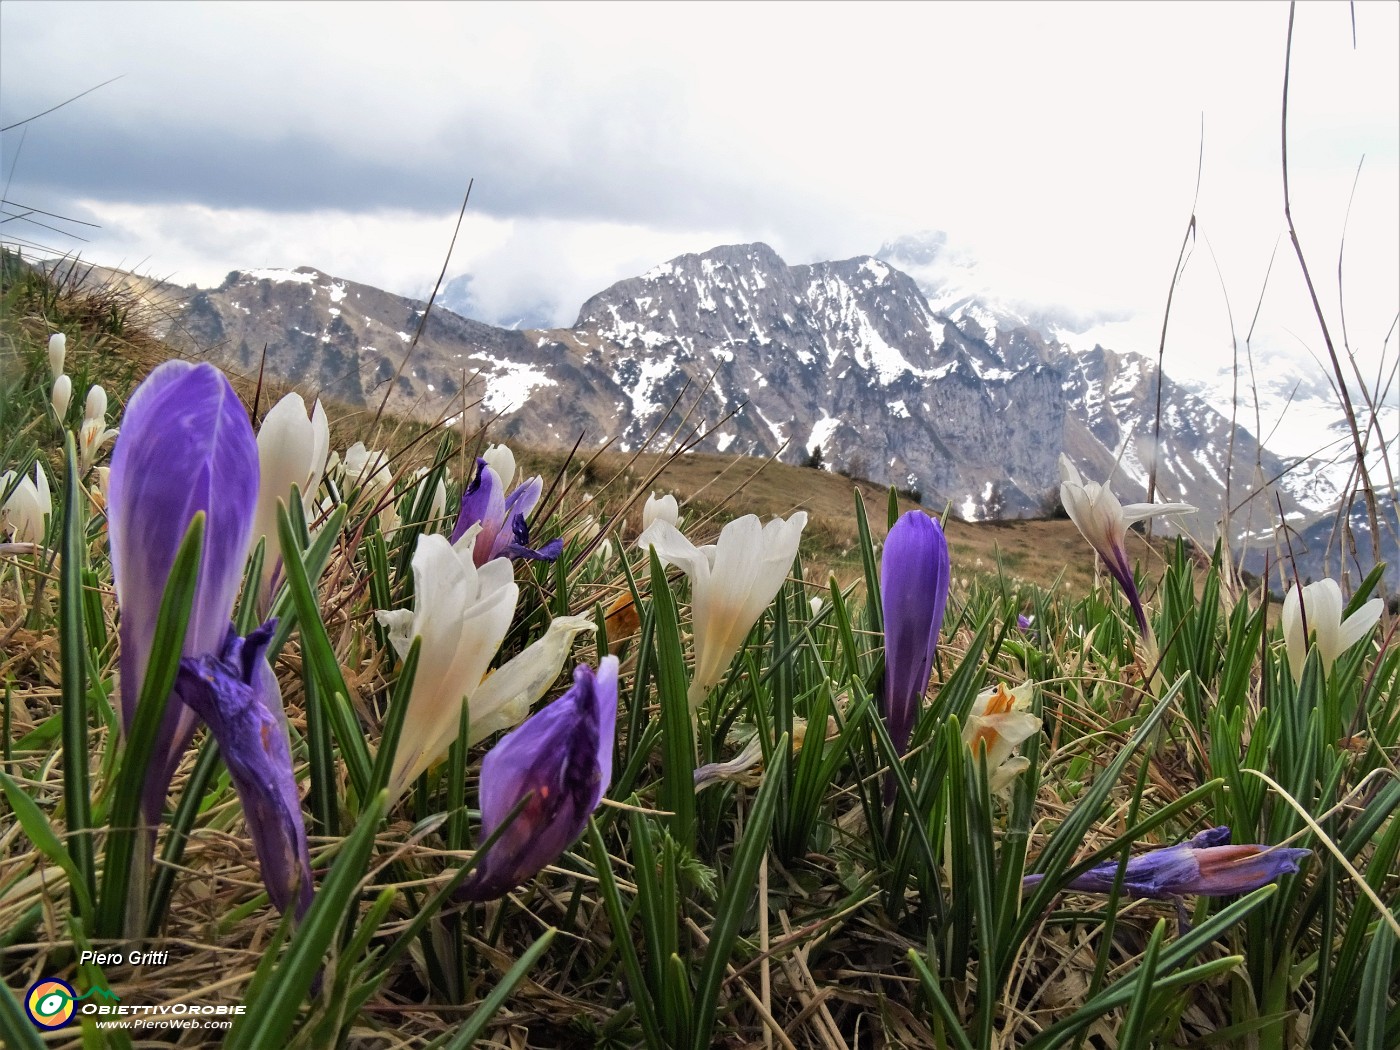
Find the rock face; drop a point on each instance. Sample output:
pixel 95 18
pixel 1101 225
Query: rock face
pixel 968 407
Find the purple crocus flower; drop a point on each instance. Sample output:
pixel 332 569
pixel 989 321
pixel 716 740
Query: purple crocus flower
pixel 1206 865
pixel 236 694
pixel 186 446
pixel 504 531
pixel 561 760
pixel 914 576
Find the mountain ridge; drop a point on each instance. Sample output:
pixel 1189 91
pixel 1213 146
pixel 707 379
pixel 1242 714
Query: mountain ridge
pixel 848 357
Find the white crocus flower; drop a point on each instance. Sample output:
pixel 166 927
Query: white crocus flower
pixel 368 469
pixel 462 614
pixel 1322 609
pixel 58 348
pixel 1103 521
pixel 23 513
pixel 292 450
pixel 93 434
pixel 502 460
pixel 61 397
pixel 1000 721
pixel 508 693
pixel 661 508
pixel 731 583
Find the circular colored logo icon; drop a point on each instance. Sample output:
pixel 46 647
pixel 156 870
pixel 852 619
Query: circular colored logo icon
pixel 50 1002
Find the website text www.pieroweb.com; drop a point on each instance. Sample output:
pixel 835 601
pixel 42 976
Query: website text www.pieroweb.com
pixel 52 1002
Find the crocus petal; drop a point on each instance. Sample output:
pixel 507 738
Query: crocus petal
pixel 484 504
pixel 750 565
pixel 292 450
pixel 508 693
pixel 462 614
pixel 1295 642
pixel 1357 626
pixel 95 408
pixel 186 446
pixel 999 722
pixel 914 578
pixel 660 508
pixel 502 460
pixel 561 759
pixel 516 511
pixel 236 694
pixel 1205 864
pixel 673 548
pixel 737 768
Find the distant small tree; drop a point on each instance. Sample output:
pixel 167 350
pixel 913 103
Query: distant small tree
pixel 815 459
pixel 1051 506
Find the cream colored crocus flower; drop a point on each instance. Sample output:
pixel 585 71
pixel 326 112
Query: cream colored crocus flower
pixel 58 349
pixel 22 514
pixel 1000 720
pixel 61 397
pixel 292 450
pixel 368 469
pixel 1103 521
pixel 462 614
pixel 93 433
pixel 731 583
pixel 508 693
pixel 661 508
pixel 1322 608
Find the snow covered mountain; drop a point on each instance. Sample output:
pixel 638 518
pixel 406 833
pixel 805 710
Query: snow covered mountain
pixel 968 404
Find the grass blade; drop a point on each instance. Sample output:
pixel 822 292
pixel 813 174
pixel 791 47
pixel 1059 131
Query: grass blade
pixel 72 641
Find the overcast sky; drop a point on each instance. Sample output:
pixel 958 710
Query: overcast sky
pixel 1056 144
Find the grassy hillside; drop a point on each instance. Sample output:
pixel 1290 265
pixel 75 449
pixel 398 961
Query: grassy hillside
pixel 1127 824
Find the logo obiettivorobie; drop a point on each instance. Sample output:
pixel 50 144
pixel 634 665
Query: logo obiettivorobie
pixel 50 1002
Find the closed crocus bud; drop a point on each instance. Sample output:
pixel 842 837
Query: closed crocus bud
pixel 95 407
pixel 660 508
pixel 560 763
pixel 23 512
pixel 731 583
pixel 58 348
pixel 1206 865
pixel 462 613
pixel 1320 612
pixel 62 396
pixel 502 460
pixel 914 576
pixel 292 450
